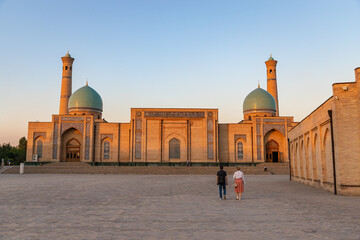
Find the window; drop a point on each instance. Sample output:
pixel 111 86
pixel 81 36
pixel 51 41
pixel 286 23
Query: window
pixel 240 150
pixel 66 67
pixel 39 149
pixel 174 148
pixel 106 150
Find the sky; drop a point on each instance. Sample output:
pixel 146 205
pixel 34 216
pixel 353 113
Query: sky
pixel 172 54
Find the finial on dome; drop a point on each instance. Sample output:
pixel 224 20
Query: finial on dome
pixel 87 83
pixel 258 84
pixel 68 54
pixel 271 58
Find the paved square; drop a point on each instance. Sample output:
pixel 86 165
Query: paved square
pixel 170 207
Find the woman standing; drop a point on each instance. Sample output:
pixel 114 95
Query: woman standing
pixel 239 181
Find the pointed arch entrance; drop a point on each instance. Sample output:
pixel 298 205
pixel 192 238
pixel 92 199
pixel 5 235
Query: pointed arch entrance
pixel 73 150
pixel 272 151
pixel 71 146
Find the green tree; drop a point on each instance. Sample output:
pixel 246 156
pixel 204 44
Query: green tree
pixel 16 155
pixel 22 143
pixel 5 151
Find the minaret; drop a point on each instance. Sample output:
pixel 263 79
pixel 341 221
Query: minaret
pixel 271 80
pixel 66 83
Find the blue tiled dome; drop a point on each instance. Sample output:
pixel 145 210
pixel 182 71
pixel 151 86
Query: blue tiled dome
pixel 85 98
pixel 259 100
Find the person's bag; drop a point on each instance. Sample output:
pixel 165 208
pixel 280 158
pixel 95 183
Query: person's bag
pixel 234 185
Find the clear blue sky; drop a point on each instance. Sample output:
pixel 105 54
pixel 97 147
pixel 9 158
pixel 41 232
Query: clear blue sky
pixel 172 53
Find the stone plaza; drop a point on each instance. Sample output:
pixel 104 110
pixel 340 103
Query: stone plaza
pixel 68 206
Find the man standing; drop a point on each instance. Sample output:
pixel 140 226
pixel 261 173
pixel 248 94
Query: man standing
pixel 222 182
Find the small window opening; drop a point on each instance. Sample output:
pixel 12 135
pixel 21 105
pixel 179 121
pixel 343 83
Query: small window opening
pixel 66 67
pixel 270 71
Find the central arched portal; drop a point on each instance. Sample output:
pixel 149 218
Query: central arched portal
pixel 73 151
pixel 272 151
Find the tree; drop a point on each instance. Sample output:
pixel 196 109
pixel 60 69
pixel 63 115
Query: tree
pixel 5 150
pixel 22 143
pixel 16 155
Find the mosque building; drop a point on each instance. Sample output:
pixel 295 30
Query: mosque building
pixel 160 135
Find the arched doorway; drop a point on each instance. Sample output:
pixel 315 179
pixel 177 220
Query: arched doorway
pixel 71 144
pixel 174 149
pixel 73 151
pixel 272 151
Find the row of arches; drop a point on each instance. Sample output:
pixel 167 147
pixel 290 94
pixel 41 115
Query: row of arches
pixel 311 158
pixel 71 149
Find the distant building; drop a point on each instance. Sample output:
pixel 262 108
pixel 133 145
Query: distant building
pixel 158 135
pixel 325 146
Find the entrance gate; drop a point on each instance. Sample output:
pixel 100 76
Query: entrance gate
pixel 73 151
pixel 272 151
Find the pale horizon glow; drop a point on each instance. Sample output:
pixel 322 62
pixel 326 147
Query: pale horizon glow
pixel 172 54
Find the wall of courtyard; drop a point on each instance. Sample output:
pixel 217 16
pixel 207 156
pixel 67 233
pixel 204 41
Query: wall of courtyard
pixel 311 147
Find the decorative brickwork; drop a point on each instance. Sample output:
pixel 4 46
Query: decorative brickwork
pixel 258 128
pixel 87 153
pixel 169 114
pixel 259 153
pixel 67 125
pixel 138 133
pixel 55 139
pixel 103 136
pixel 258 140
pixel 87 147
pixel 210 139
pixel 279 127
pixel 237 136
pixel 87 138
pixel 278 120
pixel 37 134
pixel 72 119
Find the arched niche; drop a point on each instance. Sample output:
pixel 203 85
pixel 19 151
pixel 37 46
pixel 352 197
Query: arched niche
pixel 106 153
pixel 274 142
pixel 173 140
pixel 39 147
pixel 71 144
pixel 240 150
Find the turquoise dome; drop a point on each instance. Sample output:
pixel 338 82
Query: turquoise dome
pixel 85 98
pixel 259 100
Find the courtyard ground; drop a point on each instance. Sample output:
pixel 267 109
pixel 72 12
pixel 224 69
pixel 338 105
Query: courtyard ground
pixel 46 206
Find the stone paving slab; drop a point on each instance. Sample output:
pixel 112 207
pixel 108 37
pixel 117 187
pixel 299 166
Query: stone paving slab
pixel 170 207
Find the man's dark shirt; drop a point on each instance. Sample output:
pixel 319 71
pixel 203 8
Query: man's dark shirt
pixel 221 177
